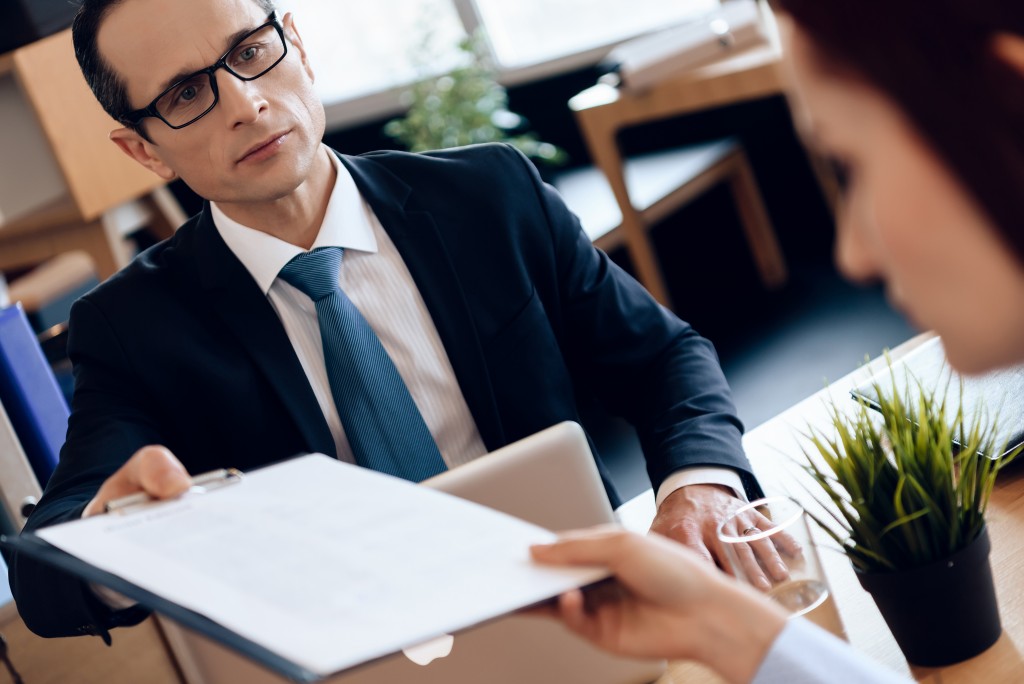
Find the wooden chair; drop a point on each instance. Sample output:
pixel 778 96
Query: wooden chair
pixel 658 185
pixel 602 111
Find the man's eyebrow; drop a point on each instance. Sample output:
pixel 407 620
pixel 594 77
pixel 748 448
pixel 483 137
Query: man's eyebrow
pixel 229 42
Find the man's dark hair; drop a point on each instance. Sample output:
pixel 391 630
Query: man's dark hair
pixel 107 86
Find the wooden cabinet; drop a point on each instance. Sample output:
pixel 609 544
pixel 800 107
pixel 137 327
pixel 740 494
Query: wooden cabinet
pixel 62 181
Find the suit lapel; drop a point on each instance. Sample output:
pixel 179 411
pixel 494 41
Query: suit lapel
pixel 418 240
pixel 244 308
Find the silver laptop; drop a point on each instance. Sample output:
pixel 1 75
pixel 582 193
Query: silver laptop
pixel 549 479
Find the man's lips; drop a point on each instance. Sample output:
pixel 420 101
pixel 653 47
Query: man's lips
pixel 265 148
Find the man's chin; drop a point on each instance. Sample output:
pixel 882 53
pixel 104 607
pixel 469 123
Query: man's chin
pixel 258 190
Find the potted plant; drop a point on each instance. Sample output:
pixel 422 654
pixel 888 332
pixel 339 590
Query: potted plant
pixel 467 106
pixel 907 506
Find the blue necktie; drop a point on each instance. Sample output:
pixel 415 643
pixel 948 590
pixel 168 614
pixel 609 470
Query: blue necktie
pixel 383 425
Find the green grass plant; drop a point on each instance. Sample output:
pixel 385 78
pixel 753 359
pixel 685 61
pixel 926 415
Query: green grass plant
pixel 898 492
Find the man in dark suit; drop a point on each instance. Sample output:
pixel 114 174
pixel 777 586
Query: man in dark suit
pixel 490 310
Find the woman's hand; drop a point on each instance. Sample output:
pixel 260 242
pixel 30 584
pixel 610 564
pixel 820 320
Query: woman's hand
pixel 667 603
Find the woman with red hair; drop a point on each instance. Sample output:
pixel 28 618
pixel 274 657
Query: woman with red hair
pixel 921 106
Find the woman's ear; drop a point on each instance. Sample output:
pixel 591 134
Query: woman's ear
pixel 1010 48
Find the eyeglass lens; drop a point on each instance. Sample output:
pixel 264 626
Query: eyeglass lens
pixel 256 54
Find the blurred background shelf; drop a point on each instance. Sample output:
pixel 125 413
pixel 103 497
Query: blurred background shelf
pixel 63 185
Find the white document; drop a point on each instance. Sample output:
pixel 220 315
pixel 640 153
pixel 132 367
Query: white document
pixel 326 564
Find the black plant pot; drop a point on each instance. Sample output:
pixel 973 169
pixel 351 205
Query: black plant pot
pixel 944 612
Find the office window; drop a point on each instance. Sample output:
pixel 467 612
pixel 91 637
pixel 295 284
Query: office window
pixel 365 53
pixel 527 32
pixel 358 48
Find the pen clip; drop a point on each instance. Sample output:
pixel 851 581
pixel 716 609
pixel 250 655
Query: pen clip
pixel 200 484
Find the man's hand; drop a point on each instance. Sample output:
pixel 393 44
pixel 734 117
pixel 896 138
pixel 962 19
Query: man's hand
pixel 152 469
pixel 692 515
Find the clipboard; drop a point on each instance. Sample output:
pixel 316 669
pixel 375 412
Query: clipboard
pixel 508 585
pixel 34 547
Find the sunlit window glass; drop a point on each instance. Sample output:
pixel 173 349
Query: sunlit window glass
pixel 358 47
pixel 525 32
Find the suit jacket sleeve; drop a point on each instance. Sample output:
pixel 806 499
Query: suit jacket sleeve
pixel 805 654
pixel 109 422
pixel 640 359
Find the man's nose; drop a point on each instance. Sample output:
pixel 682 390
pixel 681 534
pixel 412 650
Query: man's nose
pixel 242 101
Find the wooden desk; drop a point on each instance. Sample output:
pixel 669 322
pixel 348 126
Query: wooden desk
pixel 137 655
pixel 771 447
pixel 63 176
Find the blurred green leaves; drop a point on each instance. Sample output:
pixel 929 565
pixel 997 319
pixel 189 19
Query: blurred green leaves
pixel 464 107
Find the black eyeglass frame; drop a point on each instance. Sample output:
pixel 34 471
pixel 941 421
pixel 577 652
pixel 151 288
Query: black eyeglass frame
pixel 134 118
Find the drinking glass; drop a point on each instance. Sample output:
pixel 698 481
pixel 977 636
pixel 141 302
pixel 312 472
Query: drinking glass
pixel 768 545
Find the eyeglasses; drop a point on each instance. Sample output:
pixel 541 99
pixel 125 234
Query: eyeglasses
pixel 194 96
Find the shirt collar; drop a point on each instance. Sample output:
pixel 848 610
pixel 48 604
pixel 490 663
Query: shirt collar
pixel 346 224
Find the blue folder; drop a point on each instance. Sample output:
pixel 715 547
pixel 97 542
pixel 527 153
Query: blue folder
pixel 30 394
